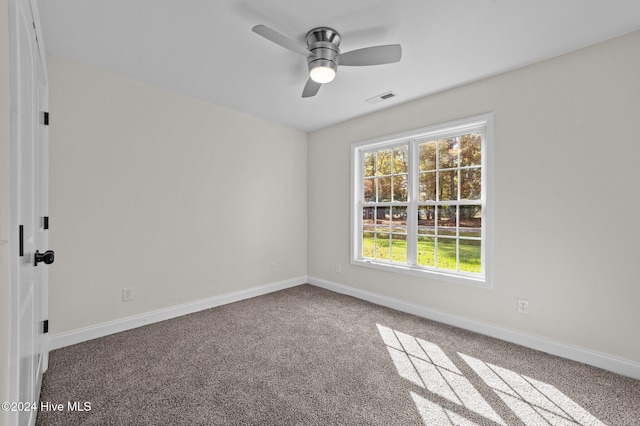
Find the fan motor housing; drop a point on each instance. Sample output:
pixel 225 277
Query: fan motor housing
pixel 323 42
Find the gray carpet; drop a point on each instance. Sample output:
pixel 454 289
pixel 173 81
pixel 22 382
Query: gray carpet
pixel 308 356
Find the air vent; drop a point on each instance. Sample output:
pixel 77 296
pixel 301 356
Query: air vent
pixel 380 98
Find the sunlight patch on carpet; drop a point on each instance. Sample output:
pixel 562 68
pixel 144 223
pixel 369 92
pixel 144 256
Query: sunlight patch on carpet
pixel 448 393
pixel 533 401
pixel 427 366
pixel 434 414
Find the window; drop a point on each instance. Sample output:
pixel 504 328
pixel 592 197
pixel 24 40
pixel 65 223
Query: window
pixel 419 201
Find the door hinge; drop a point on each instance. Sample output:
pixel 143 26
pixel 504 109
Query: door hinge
pixel 45 118
pixel 45 222
pixel 45 326
pixel 21 240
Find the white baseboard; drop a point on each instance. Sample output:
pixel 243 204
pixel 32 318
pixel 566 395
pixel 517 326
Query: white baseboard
pixel 60 340
pixel 575 353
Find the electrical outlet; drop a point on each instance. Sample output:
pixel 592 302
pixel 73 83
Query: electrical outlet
pixel 127 294
pixel 273 267
pixel 523 306
pixel 337 268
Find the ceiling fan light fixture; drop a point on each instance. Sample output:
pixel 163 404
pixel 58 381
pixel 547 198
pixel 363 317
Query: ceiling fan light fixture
pixel 322 74
pixel 323 54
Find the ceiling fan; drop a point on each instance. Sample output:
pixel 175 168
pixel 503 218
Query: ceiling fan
pixel 323 54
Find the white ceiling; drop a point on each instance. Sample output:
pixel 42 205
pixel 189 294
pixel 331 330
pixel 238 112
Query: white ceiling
pixel 206 49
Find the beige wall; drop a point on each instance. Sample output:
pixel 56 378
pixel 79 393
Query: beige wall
pixel 4 207
pixel 565 182
pixel 179 199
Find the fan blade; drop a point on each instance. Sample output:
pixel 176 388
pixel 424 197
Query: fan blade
pixel 311 88
pixel 282 40
pixel 376 55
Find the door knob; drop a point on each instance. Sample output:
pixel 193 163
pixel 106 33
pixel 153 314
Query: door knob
pixel 47 257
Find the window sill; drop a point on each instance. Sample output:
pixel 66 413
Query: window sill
pixel 479 281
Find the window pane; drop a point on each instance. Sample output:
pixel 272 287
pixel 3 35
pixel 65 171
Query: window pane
pixel 368 245
pixel 399 220
pixel 427 186
pixel 384 162
pixel 426 251
pixel 447 220
pixel 471 153
pixel 369 190
pixel 426 220
pixel 383 218
pixel 400 186
pixel 448 185
pixel 383 247
pixel 448 150
pixel 399 248
pixel 470 184
pixel 401 159
pixel 447 253
pixel 427 156
pixel 368 214
pixel 369 164
pixel 384 189
pixel 470 255
pixel 470 220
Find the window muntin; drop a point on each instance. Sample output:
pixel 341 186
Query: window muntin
pixel 420 201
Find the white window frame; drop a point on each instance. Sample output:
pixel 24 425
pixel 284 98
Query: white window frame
pixel 483 123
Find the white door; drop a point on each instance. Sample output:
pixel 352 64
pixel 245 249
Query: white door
pixel 30 205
